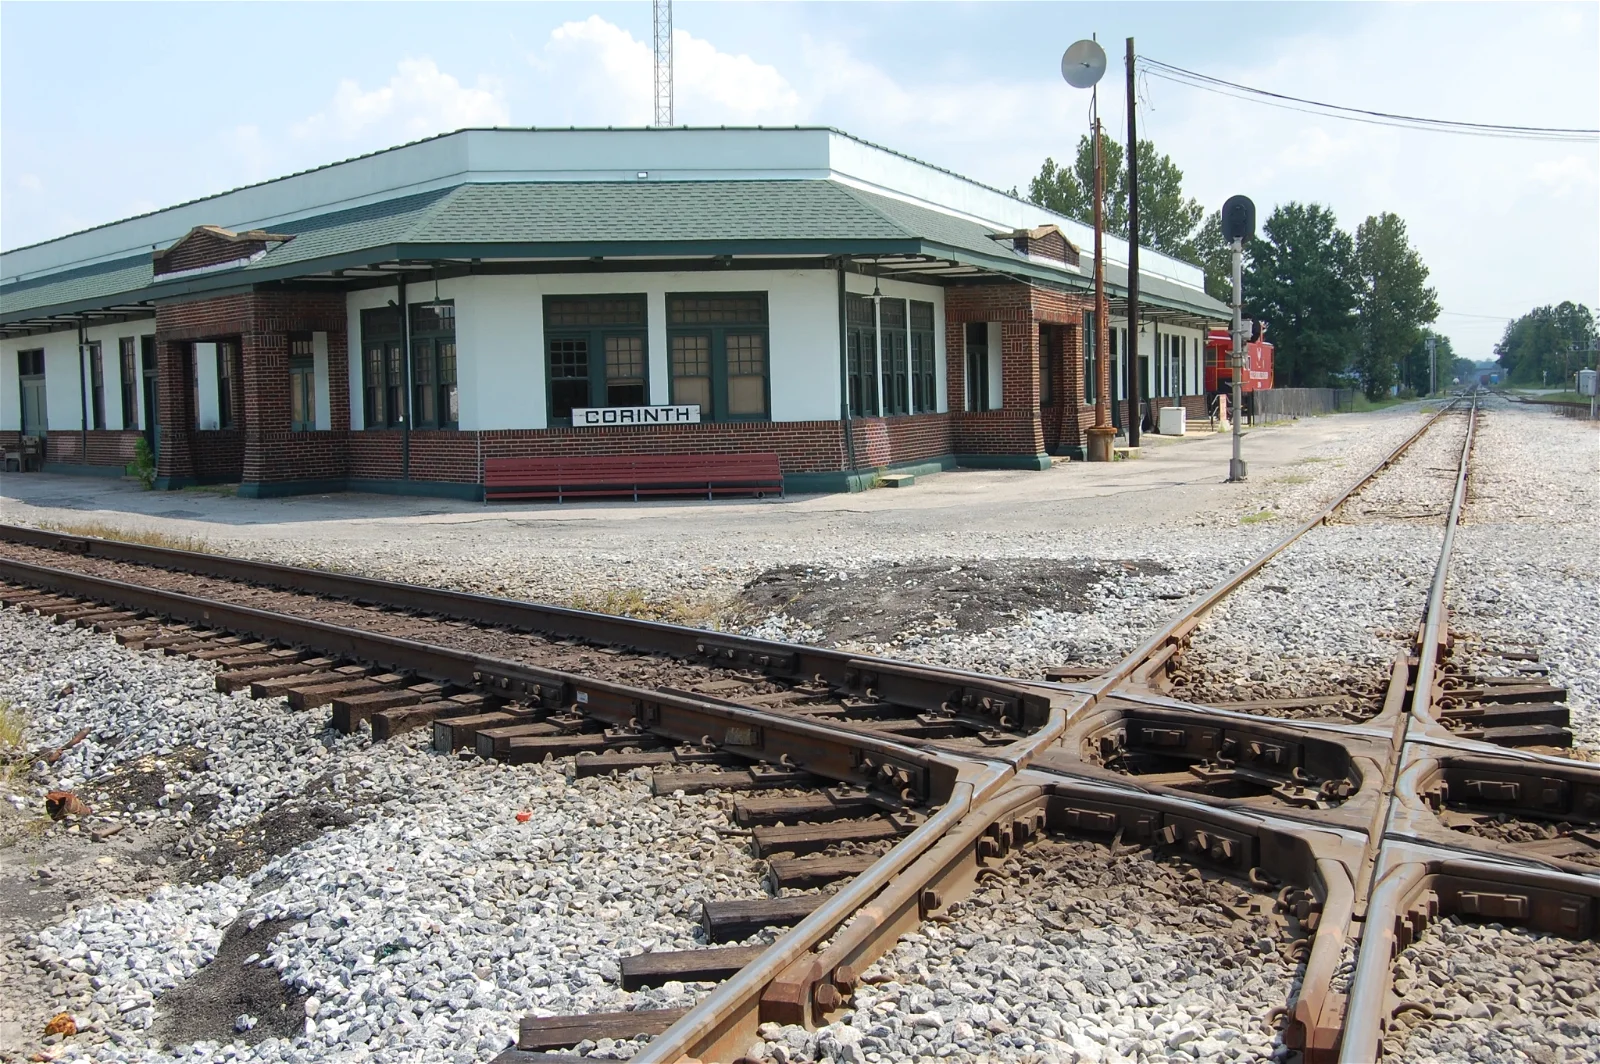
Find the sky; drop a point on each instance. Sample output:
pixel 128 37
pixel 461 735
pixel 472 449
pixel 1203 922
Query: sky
pixel 108 110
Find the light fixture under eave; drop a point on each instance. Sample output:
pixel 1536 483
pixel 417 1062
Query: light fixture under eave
pixel 877 296
pixel 435 304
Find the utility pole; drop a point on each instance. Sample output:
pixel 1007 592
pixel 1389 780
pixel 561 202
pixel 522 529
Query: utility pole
pixel 1238 222
pixel 1132 356
pixel 1082 67
pixel 661 11
pixel 1433 367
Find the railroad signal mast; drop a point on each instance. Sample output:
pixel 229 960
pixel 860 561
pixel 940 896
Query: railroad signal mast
pixel 1238 224
pixel 1082 66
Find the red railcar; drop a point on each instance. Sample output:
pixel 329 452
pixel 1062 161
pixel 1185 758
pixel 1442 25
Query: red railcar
pixel 1219 374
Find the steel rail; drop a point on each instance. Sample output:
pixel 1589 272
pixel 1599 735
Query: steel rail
pixel 1363 1010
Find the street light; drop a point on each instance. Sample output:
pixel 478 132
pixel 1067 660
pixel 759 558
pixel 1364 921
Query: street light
pixel 1082 67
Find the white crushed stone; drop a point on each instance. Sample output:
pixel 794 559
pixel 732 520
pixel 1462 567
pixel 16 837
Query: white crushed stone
pixel 1498 995
pixel 424 930
pixel 1525 574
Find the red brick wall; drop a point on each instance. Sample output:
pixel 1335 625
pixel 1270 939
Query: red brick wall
pixel 262 449
pixel 107 447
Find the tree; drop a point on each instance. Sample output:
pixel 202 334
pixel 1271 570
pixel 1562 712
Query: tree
pixel 1548 344
pixel 1167 220
pixel 1395 301
pixel 1301 279
pixel 1416 368
pixel 1216 258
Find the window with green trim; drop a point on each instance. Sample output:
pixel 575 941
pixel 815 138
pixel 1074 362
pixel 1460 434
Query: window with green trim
pixel 97 386
pixel 924 363
pixel 228 374
pixel 861 355
pixel 718 354
pixel 597 353
pixel 128 364
pixel 383 395
pixel 896 356
pixel 302 384
pixel 435 399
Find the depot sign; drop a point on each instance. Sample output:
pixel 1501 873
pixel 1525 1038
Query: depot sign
pixel 608 416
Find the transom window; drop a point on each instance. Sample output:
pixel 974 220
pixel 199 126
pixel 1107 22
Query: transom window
pixel 718 344
pixel 597 353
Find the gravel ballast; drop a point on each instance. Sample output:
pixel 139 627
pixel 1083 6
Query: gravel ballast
pixel 1525 575
pixel 1074 954
pixel 423 930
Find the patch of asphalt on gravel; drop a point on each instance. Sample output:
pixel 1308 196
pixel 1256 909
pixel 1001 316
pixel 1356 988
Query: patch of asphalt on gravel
pixel 1525 575
pixel 1499 995
pixel 910 598
pixel 421 931
pixel 1074 955
pixel 1330 614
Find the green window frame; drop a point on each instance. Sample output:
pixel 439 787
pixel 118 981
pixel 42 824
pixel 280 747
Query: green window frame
pixel 97 385
pixel 597 353
pixel 924 359
pixel 30 380
pixel 977 344
pixel 861 355
pixel 896 354
pixel 302 383
pixel 719 354
pixel 227 373
pixel 382 369
pixel 128 363
pixel 435 397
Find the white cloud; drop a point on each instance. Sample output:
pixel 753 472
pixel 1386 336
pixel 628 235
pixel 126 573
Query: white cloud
pixel 604 76
pixel 29 182
pixel 418 101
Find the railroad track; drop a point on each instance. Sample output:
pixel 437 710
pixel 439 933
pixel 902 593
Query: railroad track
pixel 882 793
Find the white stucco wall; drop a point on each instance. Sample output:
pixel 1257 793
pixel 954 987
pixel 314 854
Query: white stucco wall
pixel 1193 384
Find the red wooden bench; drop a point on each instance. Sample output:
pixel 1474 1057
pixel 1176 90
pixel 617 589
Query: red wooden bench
pixel 631 474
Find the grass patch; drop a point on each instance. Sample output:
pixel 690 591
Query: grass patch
pixel 227 491
pixel 144 537
pixel 1361 404
pixel 13 752
pixel 1315 458
pixel 1258 517
pixel 632 602
pixel 1293 478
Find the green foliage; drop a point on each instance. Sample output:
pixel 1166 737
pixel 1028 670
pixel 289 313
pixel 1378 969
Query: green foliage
pixel 1548 345
pixel 1300 277
pixel 1167 220
pixel 144 463
pixel 1395 302
pixel 1216 258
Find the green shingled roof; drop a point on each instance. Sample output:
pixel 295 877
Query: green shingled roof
pixel 556 219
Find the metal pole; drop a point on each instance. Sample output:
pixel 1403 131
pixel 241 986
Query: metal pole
pixel 1433 367
pixel 1102 412
pixel 83 398
pixel 1133 258
pixel 1236 467
pixel 405 375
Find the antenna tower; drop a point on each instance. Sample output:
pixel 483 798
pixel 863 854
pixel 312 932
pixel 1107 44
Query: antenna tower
pixel 662 11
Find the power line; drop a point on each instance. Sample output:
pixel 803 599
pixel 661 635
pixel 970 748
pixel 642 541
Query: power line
pixel 1205 82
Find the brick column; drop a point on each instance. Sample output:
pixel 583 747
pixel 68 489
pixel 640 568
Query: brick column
pixel 175 400
pixel 266 402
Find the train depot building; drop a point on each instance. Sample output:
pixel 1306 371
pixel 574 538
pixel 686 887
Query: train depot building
pixel 393 322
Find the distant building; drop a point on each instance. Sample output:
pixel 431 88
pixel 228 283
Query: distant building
pixel 389 322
